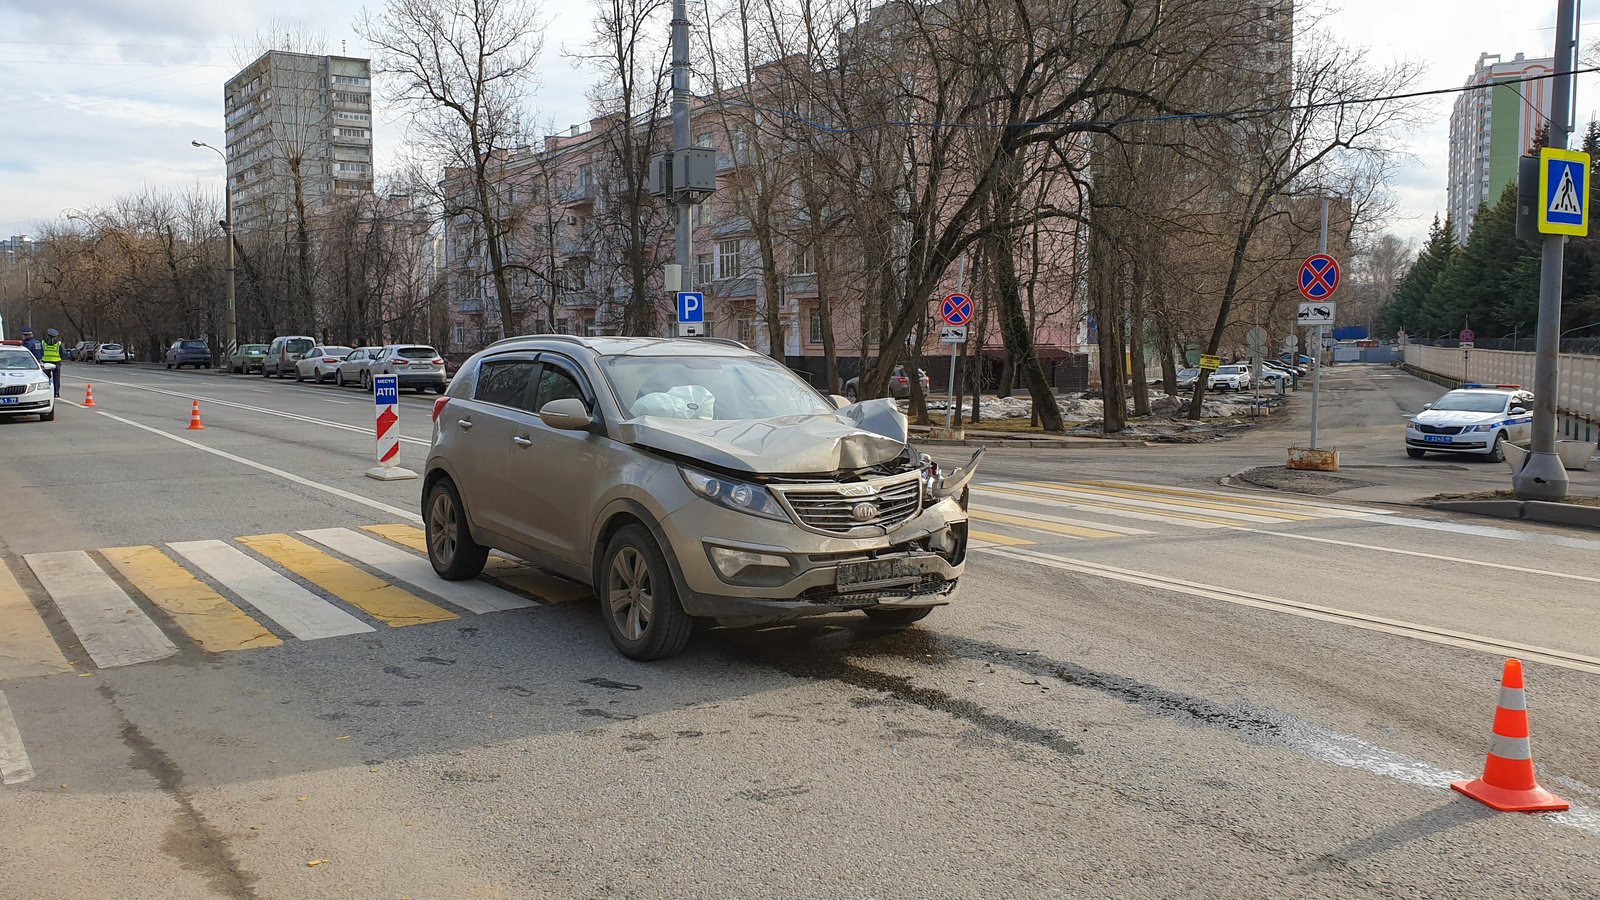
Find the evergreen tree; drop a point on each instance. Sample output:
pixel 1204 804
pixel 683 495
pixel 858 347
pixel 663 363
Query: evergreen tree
pixel 1491 283
pixel 1403 311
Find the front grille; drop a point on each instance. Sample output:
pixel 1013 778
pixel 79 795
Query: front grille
pixel 831 507
pixel 12 390
pixel 1439 429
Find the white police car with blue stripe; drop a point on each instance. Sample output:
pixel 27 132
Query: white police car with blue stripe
pixel 1475 418
pixel 25 388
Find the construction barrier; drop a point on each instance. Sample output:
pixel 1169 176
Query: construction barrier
pixel 386 398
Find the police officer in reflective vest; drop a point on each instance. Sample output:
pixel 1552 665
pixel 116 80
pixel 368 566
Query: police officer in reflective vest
pixel 52 354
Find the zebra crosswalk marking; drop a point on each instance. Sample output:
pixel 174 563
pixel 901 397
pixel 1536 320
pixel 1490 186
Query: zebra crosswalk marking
pixel 297 610
pixel 1309 507
pixel 1037 524
pixel 1052 497
pixel 989 538
pixel 26 648
pixel 514 573
pixel 474 596
pixel 393 606
pixel 113 630
pixel 203 614
pixel 1218 511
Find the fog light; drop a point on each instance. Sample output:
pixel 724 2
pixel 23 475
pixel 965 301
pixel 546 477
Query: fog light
pixel 731 562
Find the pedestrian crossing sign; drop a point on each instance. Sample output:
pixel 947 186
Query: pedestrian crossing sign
pixel 1564 189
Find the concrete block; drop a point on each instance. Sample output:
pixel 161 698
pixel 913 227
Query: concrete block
pixel 1306 459
pixel 1575 454
pixel 1504 509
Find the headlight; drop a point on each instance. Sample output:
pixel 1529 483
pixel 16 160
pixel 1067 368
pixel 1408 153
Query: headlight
pixel 1485 427
pixel 1414 425
pixel 738 496
pixel 39 386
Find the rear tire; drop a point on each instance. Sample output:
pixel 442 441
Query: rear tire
pixel 639 599
pixel 452 551
pixel 1414 453
pixel 897 618
pixel 338 378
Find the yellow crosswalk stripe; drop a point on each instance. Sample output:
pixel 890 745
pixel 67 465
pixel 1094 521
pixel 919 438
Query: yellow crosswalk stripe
pixel 1040 525
pixel 1004 540
pixel 506 571
pixel 203 614
pixel 1231 509
pixel 1091 503
pixel 26 648
pixel 372 595
pixel 1261 502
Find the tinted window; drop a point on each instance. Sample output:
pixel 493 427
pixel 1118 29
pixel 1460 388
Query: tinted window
pixel 415 352
pixel 192 345
pixel 298 345
pixel 555 384
pixel 336 351
pixel 110 346
pixel 504 382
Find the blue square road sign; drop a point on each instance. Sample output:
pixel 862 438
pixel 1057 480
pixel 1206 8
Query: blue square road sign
pixel 691 306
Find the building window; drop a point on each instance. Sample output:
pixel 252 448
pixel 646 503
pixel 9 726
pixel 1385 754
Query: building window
pixel 461 335
pixel 351 79
pixel 815 322
pixel 744 327
pixel 585 177
pixel 728 259
pixel 705 268
pixel 704 140
pixel 353 132
pixel 563 326
pixel 805 260
pixel 702 214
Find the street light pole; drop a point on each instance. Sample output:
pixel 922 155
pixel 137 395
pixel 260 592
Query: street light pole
pixel 1542 476
pixel 227 232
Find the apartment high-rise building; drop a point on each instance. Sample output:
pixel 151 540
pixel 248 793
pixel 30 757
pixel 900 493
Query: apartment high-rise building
pixel 298 125
pixel 1490 127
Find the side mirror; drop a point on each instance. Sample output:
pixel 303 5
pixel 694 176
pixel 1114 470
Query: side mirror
pixel 1427 406
pixel 567 414
pixel 1518 411
pixel 48 367
pixel 839 401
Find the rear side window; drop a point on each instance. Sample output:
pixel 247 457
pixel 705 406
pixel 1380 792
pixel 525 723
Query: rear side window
pixel 504 382
pixel 460 386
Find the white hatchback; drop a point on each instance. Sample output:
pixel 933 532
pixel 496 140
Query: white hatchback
pixel 25 388
pixel 110 353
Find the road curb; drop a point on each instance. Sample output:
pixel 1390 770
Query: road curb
pixel 1570 514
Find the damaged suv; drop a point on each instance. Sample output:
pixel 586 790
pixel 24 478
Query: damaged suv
pixel 688 479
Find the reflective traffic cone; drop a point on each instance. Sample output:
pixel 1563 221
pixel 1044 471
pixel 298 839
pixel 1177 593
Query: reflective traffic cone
pixel 1507 783
pixel 88 395
pixel 194 418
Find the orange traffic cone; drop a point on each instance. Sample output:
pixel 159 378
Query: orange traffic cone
pixel 194 418
pixel 1507 783
pixel 88 395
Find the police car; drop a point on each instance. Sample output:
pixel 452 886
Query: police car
pixel 1476 418
pixel 25 388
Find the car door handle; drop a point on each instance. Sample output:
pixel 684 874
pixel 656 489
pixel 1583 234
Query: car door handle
pixel 466 424
pixel 522 441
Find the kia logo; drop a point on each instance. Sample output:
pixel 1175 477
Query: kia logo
pixel 864 512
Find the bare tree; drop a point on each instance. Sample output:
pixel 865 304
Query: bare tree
pixel 463 68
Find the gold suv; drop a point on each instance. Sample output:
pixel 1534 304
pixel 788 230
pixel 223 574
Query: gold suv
pixel 686 479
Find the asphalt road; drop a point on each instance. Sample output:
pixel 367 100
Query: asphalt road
pixel 1147 686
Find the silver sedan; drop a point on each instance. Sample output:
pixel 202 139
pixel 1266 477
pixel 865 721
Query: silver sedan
pixel 352 368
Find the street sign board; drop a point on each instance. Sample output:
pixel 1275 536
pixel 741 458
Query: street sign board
pixel 1291 343
pixel 1467 345
pixel 1563 192
pixel 691 306
pixel 953 334
pixel 1467 336
pixel 1255 340
pixel 691 329
pixel 956 309
pixel 1317 313
pixel 1211 363
pixel 1319 277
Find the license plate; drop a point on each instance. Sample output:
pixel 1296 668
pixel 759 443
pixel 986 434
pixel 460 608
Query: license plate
pixel 1436 438
pixel 875 572
pixel 422 365
pixel 7 401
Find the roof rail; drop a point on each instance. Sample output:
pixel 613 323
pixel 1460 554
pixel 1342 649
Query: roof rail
pixel 547 337
pixel 725 341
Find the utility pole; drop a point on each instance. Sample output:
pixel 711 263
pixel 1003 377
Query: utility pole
pixel 227 233
pixel 1542 477
pixel 681 141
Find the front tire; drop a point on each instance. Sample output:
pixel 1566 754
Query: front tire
pixel 1414 453
pixel 48 417
pixel 1497 453
pixel 639 600
pixel 897 618
pixel 452 551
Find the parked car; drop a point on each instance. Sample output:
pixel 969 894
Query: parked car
pixel 82 351
pixel 418 366
pixel 352 368
pixel 320 362
pixel 25 386
pixel 688 479
pixel 247 358
pixel 1474 419
pixel 189 353
pixel 1229 378
pixel 1187 378
pixel 105 353
pixel 899 384
pixel 283 353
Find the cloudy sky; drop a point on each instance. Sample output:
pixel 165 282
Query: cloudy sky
pixel 102 97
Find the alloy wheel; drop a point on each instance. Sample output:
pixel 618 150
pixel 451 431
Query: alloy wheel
pixel 630 593
pixel 442 536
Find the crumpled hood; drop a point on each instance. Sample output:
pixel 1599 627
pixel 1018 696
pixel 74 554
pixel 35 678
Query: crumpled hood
pixel 1453 417
pixel 855 437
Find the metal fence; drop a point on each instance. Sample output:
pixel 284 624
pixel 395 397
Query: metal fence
pixel 1577 393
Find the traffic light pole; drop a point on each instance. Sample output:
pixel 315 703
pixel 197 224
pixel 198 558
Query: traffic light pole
pixel 1542 477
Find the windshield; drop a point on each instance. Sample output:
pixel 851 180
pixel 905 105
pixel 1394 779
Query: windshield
pixel 710 387
pixel 1459 401
pixel 17 361
pixel 192 345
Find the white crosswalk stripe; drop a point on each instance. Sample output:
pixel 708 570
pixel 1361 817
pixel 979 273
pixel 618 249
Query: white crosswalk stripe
pixel 111 627
pixel 14 765
pixel 300 612
pixel 475 596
